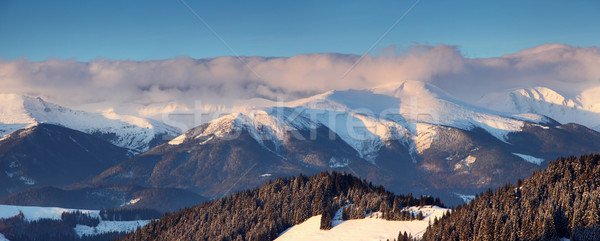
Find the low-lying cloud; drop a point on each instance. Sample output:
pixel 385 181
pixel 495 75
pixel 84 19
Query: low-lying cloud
pixel 150 87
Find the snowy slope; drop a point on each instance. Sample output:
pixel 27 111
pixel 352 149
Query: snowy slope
pixel 583 109
pixel 135 133
pixel 366 120
pixel 32 213
pixel 370 228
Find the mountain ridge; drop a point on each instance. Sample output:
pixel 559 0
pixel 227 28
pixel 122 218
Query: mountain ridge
pixel 137 134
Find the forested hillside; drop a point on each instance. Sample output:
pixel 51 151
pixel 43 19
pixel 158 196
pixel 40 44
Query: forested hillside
pixel 562 201
pixel 263 213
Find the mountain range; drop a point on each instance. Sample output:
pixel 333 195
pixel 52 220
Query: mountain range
pixel 410 137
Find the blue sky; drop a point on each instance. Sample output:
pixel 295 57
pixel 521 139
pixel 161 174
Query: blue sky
pixel 144 30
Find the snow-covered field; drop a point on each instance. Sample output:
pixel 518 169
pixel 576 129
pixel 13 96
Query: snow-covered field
pixel 36 213
pixel 110 226
pixel 370 228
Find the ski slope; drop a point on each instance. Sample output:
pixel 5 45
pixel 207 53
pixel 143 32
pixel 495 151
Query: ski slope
pixel 369 228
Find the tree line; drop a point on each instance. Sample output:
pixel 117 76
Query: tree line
pixel 561 201
pixel 17 228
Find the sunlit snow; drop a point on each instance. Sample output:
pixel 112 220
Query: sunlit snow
pixel 371 228
pixel 527 158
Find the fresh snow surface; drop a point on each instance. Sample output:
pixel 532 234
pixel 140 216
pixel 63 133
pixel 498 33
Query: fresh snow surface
pixel 2 238
pixel 370 228
pixel 409 112
pixel 17 111
pixel 527 158
pixel 110 226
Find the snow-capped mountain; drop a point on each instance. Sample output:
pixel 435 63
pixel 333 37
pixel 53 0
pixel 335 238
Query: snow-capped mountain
pixel 547 102
pixel 134 133
pixel 410 137
pixel 366 119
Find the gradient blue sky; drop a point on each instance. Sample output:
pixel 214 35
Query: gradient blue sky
pixel 143 30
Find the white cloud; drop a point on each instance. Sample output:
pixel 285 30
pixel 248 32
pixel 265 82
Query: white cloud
pixel 148 87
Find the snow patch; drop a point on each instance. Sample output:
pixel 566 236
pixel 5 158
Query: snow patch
pixel 465 163
pixel 27 180
pixel 207 140
pixel 337 163
pixel 2 238
pixel 465 198
pixel 531 159
pixel 132 201
pixel 178 140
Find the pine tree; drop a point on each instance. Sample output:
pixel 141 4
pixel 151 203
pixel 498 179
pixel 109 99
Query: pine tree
pixel 326 222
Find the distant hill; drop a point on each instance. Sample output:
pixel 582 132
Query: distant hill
pixel 562 201
pixel 46 154
pixel 108 196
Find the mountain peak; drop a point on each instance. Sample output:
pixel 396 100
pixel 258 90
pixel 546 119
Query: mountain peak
pixel 545 95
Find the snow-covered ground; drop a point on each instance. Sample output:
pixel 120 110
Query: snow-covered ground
pixel 370 228
pixel 35 213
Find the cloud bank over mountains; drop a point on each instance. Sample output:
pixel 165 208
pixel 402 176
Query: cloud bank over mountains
pixel 149 88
